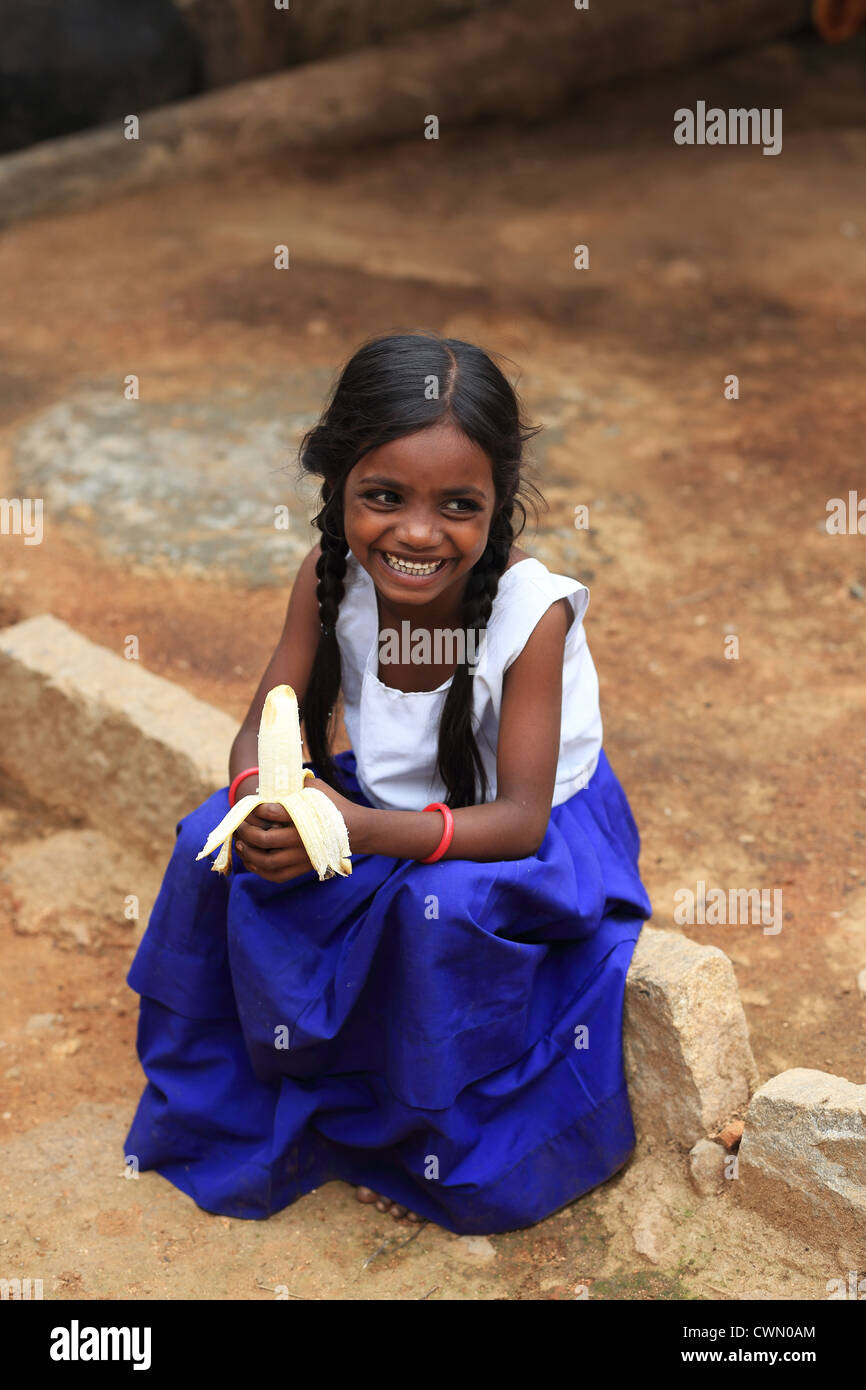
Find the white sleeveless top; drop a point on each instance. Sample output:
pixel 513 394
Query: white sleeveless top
pixel 394 733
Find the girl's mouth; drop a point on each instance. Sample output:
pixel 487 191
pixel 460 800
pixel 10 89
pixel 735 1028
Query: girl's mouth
pixel 409 572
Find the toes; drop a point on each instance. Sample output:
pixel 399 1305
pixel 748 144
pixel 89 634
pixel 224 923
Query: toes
pixel 384 1204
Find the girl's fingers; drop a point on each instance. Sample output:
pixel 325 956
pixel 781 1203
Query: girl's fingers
pixel 275 864
pixel 276 837
pixel 269 858
pixel 283 875
pixel 272 813
pixel 269 844
pixel 278 875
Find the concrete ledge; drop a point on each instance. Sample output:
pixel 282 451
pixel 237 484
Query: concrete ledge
pixel 688 1061
pixel 802 1160
pixel 96 736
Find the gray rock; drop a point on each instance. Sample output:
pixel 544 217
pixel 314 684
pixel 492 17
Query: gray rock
pixel 802 1160
pixel 707 1167
pixel 688 1062
pixel 653 1232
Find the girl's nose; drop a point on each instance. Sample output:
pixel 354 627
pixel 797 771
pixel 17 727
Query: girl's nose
pixel 419 534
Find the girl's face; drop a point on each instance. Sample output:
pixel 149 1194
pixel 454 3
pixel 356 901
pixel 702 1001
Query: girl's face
pixel 428 497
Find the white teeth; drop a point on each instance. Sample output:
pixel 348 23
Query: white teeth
pixel 410 566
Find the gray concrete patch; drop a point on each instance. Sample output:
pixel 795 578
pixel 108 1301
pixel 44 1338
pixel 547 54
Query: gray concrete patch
pixel 189 486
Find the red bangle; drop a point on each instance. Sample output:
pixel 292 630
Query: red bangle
pixel 446 833
pixel 247 772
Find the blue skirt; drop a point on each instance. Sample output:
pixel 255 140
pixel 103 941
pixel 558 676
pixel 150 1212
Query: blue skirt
pixel 447 1034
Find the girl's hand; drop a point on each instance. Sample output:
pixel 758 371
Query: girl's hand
pixel 271 847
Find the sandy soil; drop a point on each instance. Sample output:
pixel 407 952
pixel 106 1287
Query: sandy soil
pixel 707 519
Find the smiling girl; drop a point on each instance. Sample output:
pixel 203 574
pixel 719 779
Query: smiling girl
pixel 443 1027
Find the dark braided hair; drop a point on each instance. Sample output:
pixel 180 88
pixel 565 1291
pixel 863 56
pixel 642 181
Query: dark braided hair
pixel 381 396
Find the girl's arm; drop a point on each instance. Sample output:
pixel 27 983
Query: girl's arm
pixel 290 664
pixel 514 825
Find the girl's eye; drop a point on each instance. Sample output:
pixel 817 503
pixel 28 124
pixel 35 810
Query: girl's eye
pixel 373 495
pixel 463 501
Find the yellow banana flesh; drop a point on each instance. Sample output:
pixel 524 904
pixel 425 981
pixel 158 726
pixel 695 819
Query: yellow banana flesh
pixel 282 776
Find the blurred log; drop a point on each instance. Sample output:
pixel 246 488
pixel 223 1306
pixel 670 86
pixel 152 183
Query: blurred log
pixel 523 62
pixel 241 39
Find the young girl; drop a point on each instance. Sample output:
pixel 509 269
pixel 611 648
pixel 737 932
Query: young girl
pixel 442 1027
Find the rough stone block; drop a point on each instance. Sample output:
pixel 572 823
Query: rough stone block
pixel 688 1062
pixel 802 1160
pixel 93 735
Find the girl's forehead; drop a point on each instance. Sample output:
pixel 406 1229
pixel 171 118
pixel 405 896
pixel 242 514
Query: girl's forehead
pixel 425 457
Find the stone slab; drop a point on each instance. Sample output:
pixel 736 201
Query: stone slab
pixel 100 738
pixel 802 1160
pixel 688 1061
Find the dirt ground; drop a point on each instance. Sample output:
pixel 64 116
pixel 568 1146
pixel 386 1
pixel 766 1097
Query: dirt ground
pixel 706 519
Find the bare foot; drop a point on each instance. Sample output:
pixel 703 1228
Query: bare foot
pixel 367 1195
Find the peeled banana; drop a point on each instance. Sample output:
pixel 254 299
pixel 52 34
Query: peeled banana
pixel 281 778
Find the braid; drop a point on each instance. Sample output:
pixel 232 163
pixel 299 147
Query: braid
pixel 331 571
pixel 325 680
pixel 459 758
